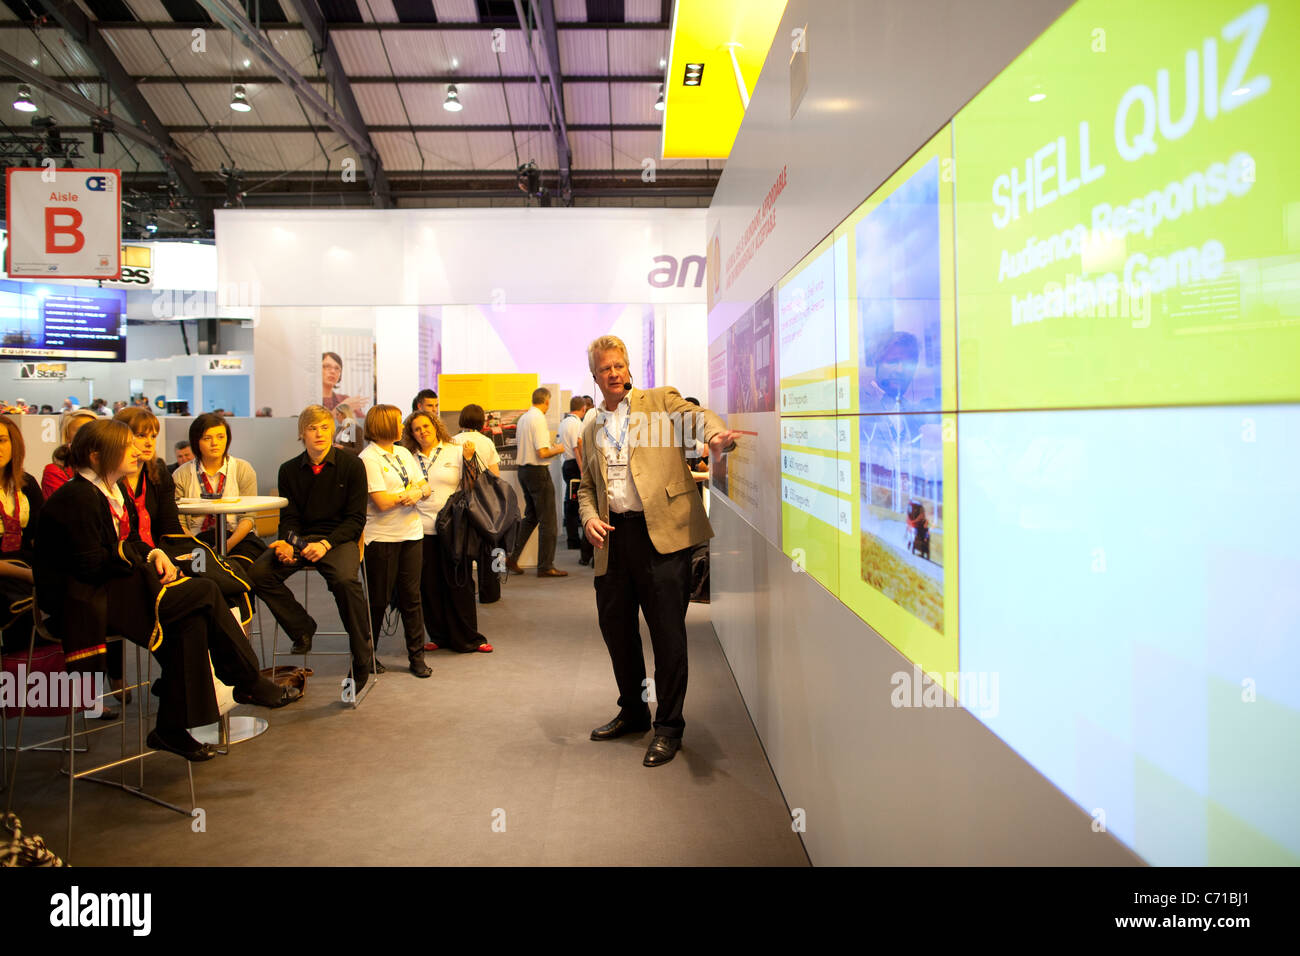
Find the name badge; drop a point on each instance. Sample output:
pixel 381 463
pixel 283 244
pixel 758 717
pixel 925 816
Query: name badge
pixel 616 472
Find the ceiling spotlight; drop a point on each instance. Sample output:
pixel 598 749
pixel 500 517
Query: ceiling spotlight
pixel 659 103
pixel 23 101
pixel 452 103
pixel 247 64
pixel 662 63
pixel 152 225
pixel 239 101
pixel 694 74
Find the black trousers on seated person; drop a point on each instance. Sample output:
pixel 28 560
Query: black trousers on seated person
pixel 658 585
pixel 196 623
pixel 338 567
pixel 393 570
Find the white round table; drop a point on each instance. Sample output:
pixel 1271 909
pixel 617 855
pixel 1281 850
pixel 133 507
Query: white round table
pixel 241 728
pixel 224 506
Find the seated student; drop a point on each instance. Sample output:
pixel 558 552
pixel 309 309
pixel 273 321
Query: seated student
pixel 326 490
pixel 393 530
pixel 151 503
pixel 472 419
pixel 58 472
pixel 449 610
pixel 20 510
pixel 216 472
pixel 95 577
pixel 184 455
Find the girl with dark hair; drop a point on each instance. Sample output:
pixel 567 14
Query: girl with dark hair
pixel 449 610
pixel 20 509
pixel 95 576
pixel 215 473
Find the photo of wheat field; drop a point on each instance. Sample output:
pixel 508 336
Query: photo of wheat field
pixel 902 523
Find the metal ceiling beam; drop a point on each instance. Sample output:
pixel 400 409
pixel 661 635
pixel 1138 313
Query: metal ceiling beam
pixel 227 130
pixel 54 88
pixel 309 12
pixel 86 33
pixel 467 27
pixel 460 79
pixel 237 23
pixel 547 12
pixel 563 154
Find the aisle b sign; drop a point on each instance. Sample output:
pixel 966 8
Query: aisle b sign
pixel 64 223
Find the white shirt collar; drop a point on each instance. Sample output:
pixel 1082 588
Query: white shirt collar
pixel 223 470
pixel 113 494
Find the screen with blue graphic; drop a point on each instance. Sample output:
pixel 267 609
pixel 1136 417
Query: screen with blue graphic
pixel 73 323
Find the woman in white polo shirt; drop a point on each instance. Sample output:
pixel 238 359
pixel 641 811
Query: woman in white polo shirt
pixel 394 531
pixel 449 606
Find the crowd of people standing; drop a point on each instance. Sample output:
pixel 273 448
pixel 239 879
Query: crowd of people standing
pixel 103 545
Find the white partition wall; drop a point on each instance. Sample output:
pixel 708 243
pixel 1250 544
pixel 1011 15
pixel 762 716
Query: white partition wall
pixel 516 289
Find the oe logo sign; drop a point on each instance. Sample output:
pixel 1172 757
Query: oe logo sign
pixel 97 184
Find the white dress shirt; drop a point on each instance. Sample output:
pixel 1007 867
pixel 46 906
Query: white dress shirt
pixel 620 492
pixel 531 434
pixel 570 435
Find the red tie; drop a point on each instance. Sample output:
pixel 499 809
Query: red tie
pixel 210 520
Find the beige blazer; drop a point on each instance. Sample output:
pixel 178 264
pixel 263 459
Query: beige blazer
pixel 662 426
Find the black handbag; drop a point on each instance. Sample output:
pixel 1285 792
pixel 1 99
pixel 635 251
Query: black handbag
pixel 484 511
pixel 493 508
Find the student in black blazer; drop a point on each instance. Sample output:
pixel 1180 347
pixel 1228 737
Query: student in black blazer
pixel 326 514
pixel 20 510
pixel 95 577
pixel 150 492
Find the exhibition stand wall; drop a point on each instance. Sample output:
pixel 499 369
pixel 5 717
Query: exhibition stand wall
pixel 1002 296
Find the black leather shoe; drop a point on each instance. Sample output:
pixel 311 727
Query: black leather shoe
pixel 379 667
pixel 617 728
pixel 189 748
pixel 267 693
pixel 661 750
pixel 420 669
pixel 302 645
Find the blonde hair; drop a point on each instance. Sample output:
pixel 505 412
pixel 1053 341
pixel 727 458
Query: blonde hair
pixel 310 416
pixel 604 344
pixel 383 423
pixel 69 418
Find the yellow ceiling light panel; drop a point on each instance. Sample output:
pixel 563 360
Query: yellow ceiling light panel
pixel 718 51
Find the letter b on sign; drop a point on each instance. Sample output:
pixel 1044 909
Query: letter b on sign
pixel 62 221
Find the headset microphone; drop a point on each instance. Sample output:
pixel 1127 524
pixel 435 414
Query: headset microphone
pixel 627 386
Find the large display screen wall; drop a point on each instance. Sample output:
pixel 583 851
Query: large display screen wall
pixel 1110 227
pixel 1128 236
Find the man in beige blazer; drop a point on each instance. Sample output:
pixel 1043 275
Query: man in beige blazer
pixel 639 508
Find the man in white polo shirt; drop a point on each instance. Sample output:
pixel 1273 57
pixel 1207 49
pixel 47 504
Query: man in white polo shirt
pixel 571 438
pixel 535 446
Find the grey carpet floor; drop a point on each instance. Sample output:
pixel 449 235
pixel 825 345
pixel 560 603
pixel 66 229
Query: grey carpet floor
pixel 487 762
